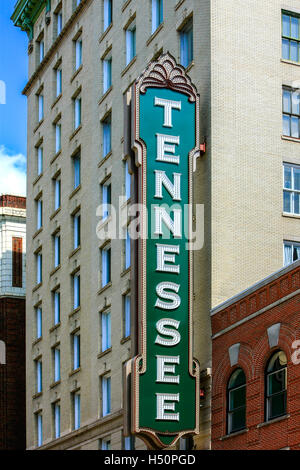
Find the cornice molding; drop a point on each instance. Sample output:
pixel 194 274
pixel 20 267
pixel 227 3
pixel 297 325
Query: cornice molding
pixel 26 13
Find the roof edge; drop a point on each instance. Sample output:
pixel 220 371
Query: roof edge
pixel 272 277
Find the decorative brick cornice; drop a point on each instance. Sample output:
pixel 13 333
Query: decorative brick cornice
pixel 17 202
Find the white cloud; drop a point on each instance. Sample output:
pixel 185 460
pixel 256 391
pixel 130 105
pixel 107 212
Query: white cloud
pixel 12 173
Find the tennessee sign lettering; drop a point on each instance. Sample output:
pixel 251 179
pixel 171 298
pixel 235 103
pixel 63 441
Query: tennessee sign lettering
pixel 165 376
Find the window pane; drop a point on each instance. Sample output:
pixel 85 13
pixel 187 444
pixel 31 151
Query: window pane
pixel 295 127
pixel 276 382
pixel 297 178
pixel 286 49
pixel 286 125
pixel 287 201
pixel 277 406
pixel 287 254
pixel 296 253
pixel 294 51
pixel 238 420
pixel 237 398
pixel 295 103
pixel 285 25
pixel 294 27
pixel 296 203
pixel 286 101
pixel 287 177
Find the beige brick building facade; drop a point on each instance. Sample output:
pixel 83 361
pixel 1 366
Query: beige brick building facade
pixel 238 68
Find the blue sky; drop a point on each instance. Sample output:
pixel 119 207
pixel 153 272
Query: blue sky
pixel 13 126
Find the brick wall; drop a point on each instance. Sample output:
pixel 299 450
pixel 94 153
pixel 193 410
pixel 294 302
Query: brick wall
pixel 12 374
pixel 275 302
pixel 18 202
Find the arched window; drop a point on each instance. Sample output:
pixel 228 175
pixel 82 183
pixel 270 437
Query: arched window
pixel 236 402
pixel 276 375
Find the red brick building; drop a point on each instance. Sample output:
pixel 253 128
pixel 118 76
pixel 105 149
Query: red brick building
pixel 12 322
pixel 256 366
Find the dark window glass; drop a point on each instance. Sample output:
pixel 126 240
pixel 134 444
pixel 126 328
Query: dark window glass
pixel 276 375
pixel 236 402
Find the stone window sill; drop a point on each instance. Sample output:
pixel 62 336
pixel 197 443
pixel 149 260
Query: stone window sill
pixel 104 159
pixel 37 395
pixel 54 384
pixel 74 251
pixel 105 32
pixel 75 132
pixel 37 233
pixel 56 100
pixel 37 287
pixel 123 273
pixel 74 312
pixel 54 327
pixel 292 216
pixel 291 62
pixel 104 288
pixel 36 341
pixel 105 95
pixel 75 191
pixel 103 353
pixel 76 73
pixel 291 139
pixel 55 157
pixel 128 66
pixel 273 421
pixel 238 433
pixel 39 124
pixel 55 213
pixel 155 33
pixel 37 179
pixel 124 340
pixel 74 371
pixel 54 270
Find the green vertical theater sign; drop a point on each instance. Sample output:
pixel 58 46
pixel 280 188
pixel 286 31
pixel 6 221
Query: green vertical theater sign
pixel 165 377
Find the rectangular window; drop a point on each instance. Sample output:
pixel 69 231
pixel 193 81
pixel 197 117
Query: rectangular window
pixel 56 300
pixel 39 429
pixel 56 358
pixel 106 396
pixel 77 112
pixel 76 404
pixel 57 137
pixel 17 262
pixel 126 314
pixel 59 22
pixel 107 76
pixel 58 82
pixel 291 252
pixel 106 331
pixel 291 112
pixel 78 53
pixel 38 322
pixel 76 229
pixel 186 44
pixel 130 35
pixel 127 258
pixel 76 351
pixel 40 107
pixel 76 291
pixel 107 14
pixel 39 376
pixel 39 218
pixel 157 14
pixel 290 37
pixel 129 443
pixel 76 169
pixel 56 413
pixel 56 250
pixel 106 266
pixel 106 199
pixel 39 160
pixel 39 263
pixel 105 444
pixel 41 50
pixel 57 193
pixel 291 189
pixel 106 134
pixel 127 181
